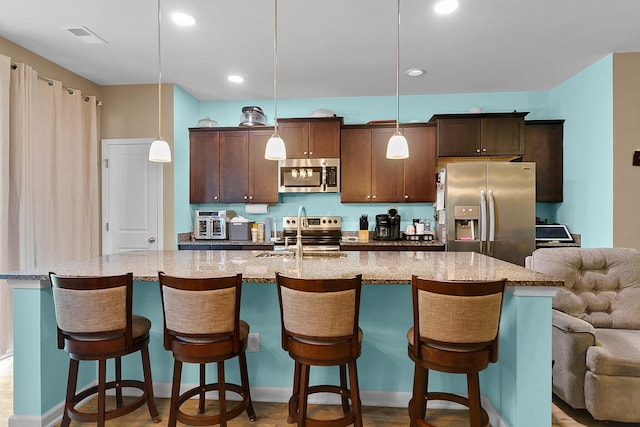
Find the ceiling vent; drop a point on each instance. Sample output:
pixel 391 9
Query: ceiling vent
pixel 86 35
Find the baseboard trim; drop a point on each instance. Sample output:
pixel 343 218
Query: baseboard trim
pixel 395 399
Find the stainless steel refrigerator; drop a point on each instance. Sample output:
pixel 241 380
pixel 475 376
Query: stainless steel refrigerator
pixel 488 207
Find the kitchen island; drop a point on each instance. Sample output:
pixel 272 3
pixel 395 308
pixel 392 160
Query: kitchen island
pixel 516 390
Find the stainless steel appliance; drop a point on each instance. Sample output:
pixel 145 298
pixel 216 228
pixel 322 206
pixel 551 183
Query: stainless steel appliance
pixel 210 224
pixel 309 176
pixel 488 207
pixel 319 233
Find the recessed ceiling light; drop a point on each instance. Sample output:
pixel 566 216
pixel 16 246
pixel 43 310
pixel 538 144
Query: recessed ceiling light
pixel 444 7
pixel 183 19
pixel 415 72
pixel 235 79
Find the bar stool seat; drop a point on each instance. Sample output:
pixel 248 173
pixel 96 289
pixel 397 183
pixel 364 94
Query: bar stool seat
pixel 455 330
pixel 95 323
pixel 319 319
pixel 202 325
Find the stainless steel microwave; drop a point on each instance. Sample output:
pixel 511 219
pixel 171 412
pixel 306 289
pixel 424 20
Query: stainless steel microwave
pixel 309 176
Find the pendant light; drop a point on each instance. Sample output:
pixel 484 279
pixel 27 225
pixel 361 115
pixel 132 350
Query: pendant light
pixel 275 149
pixel 397 147
pixel 159 150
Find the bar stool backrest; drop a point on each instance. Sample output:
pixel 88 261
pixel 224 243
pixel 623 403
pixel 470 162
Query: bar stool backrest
pixel 201 309
pixel 93 308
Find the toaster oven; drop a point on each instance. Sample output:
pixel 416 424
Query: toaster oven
pixel 210 225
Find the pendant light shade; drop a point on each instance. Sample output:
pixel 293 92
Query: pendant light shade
pixel 159 150
pixel 275 149
pixel 397 147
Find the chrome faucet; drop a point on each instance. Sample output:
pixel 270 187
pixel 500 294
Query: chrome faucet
pixel 299 230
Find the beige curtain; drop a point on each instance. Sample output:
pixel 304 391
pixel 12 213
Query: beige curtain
pixel 49 209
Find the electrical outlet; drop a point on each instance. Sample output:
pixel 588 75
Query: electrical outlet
pixel 254 343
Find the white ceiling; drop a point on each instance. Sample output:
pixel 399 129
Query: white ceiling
pixel 328 48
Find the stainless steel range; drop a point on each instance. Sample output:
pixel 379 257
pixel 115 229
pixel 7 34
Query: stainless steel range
pixel 319 233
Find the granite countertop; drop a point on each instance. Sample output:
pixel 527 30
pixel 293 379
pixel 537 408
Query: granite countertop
pixel 376 267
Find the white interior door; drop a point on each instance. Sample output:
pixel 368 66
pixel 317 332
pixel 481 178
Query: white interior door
pixel 131 196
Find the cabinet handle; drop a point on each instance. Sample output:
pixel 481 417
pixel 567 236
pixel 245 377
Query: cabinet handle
pixel 250 197
pixel 311 153
pixel 245 197
pixel 484 150
pixel 373 197
pixel 215 197
pixel 406 196
pixel 305 153
pixel 368 197
pixel 477 150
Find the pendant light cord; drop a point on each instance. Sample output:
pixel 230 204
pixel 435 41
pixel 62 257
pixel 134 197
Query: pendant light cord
pixel 275 68
pixel 159 79
pixel 398 73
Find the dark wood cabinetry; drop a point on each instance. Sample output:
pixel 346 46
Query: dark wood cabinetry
pixel 245 175
pixel 311 137
pixel 471 135
pixel 228 165
pixel 204 171
pixel 543 145
pixel 369 177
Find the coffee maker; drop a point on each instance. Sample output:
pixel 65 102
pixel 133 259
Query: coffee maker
pixel 388 225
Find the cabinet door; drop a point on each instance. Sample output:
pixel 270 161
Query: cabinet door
pixel 458 137
pixel 234 166
pixel 324 138
pixel 420 167
pixel 296 138
pixel 543 145
pixel 386 174
pixel 263 174
pixel 502 136
pixel 204 170
pixel 355 166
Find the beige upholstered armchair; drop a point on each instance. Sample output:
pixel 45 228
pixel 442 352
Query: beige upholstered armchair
pixel 596 329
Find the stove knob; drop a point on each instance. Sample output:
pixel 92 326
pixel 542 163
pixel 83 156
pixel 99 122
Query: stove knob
pixel 324 221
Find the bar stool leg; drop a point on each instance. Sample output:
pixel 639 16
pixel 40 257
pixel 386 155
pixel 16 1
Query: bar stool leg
pixel 175 393
pixel 244 380
pixel 202 390
pixel 222 395
pixel 102 374
pixel 343 385
pixel 303 395
pixel 148 385
pixel 71 391
pixel 294 402
pixel 118 363
pixel 355 393
pixel 473 387
pixel 417 406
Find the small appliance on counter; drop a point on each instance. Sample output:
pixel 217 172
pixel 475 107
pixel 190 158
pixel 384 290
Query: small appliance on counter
pixel 388 225
pixel 363 233
pixel 211 225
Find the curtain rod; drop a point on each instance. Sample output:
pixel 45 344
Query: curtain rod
pixel 70 91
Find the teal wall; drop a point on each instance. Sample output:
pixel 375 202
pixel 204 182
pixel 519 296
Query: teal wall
pixel 584 101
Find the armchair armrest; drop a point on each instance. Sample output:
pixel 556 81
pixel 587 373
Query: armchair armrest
pixel 569 323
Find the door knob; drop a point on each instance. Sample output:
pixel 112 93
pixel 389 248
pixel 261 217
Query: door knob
pixel 152 239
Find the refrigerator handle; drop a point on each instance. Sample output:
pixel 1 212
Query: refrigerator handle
pixel 483 221
pixel 492 220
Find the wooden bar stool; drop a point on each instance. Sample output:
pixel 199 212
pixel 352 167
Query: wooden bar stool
pixel 455 330
pixel 95 322
pixel 202 325
pixel 319 320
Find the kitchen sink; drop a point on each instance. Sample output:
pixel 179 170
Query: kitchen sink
pixel 305 254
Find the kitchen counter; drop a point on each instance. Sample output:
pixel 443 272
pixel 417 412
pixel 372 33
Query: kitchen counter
pixel 516 390
pixel 386 267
